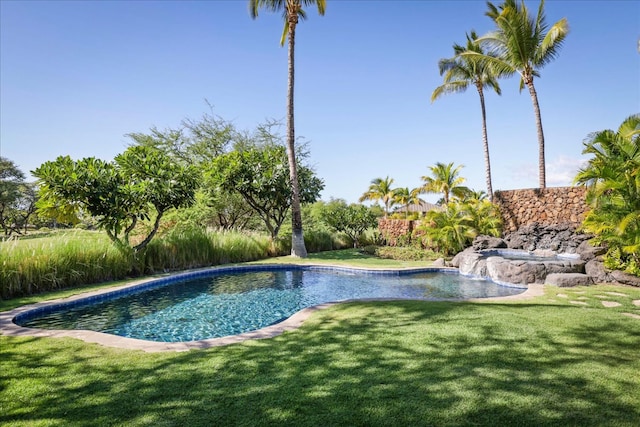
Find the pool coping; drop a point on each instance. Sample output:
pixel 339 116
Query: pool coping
pixel 8 328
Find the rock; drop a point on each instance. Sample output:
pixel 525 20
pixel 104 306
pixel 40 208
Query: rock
pixel 625 278
pixel 558 238
pixel 439 263
pixel 488 242
pixel 515 271
pixel 595 269
pixel 564 280
pixel 473 263
pixel 455 262
pixel 588 252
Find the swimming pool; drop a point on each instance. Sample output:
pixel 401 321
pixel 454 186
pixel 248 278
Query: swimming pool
pixel 223 302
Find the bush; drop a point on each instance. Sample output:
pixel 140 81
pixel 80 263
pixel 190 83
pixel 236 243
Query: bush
pixel 404 253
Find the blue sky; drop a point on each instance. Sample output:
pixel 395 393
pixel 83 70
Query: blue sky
pixel 76 76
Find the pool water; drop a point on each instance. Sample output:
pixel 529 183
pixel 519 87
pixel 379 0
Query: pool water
pixel 230 304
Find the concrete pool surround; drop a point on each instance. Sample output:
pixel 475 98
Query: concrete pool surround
pixel 9 328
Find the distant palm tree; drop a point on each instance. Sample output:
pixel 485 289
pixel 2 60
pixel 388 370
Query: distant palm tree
pixel 405 197
pixel 445 179
pixel 462 71
pixel 292 11
pixel 380 189
pixel 522 44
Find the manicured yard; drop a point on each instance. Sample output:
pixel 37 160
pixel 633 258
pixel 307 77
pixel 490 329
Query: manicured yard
pixel 545 361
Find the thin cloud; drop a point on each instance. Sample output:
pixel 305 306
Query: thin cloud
pixel 560 172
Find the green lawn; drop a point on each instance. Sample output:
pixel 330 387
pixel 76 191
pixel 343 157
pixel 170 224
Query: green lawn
pixel 545 361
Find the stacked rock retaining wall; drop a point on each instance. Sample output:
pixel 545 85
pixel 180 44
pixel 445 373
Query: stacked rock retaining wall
pixel 548 206
pixel 394 229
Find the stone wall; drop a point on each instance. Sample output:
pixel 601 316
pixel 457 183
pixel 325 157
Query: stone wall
pixel 549 206
pixel 392 229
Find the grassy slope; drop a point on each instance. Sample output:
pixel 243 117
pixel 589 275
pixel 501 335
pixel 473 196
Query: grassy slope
pixel 545 361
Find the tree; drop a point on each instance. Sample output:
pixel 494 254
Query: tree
pixel 523 44
pixel 353 219
pixel 405 197
pixel 445 179
pixel 460 72
pixel 141 182
pixel 449 230
pixel 612 178
pixel 260 176
pixel 17 198
pixel 195 142
pixel 380 189
pixel 292 11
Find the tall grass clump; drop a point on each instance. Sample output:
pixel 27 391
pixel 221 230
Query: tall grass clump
pixel 194 247
pixel 234 246
pixel 64 260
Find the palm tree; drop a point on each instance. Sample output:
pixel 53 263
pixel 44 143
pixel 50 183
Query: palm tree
pixel 462 71
pixel 612 178
pixel 445 179
pixel 380 189
pixel 291 11
pixel 405 197
pixel 522 44
pixel 450 230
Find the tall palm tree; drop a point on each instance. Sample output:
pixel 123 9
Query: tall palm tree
pixel 445 179
pixel 380 189
pixel 523 44
pixel 462 71
pixel 292 11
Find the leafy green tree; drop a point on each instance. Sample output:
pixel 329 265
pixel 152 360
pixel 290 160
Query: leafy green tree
pixel 462 71
pixel 445 179
pixel 17 198
pixel 292 12
pixel 140 183
pixel 261 177
pixel 380 189
pixel 195 141
pixel 523 44
pixel 612 178
pixel 353 219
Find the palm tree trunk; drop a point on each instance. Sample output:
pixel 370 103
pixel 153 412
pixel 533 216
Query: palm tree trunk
pixel 298 248
pixel 485 145
pixel 536 108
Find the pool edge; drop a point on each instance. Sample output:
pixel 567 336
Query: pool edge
pixel 8 328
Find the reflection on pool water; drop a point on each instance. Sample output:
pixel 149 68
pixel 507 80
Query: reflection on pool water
pixel 219 305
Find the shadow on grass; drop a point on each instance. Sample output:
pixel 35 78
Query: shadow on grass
pixel 384 363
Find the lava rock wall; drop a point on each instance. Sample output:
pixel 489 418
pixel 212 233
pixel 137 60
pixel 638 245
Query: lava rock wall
pixel 548 206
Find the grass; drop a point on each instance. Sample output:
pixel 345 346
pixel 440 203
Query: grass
pixel 51 261
pixel 348 257
pixel 544 361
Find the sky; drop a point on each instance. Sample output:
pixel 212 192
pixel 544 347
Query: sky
pixel 77 76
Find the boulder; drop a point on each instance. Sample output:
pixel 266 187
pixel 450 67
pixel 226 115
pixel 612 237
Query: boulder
pixel 488 242
pixel 595 268
pixel 588 252
pixel 565 280
pixel 440 262
pixel 515 271
pixel 625 278
pixel 455 262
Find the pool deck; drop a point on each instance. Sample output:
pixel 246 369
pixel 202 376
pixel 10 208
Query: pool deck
pixel 8 328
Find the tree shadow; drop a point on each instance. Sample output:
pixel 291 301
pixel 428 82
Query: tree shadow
pixel 383 363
